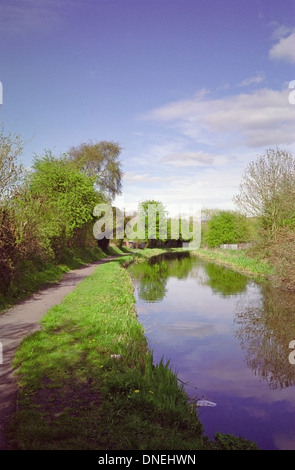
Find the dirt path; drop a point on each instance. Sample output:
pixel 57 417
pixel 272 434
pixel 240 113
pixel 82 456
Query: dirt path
pixel 22 320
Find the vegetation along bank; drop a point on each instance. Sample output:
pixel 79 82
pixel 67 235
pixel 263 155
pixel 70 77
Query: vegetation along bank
pixel 238 260
pixel 87 379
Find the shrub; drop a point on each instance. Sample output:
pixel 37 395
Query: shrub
pixel 282 255
pixel 227 227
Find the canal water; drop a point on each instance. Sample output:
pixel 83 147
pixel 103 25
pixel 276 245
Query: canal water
pixel 227 338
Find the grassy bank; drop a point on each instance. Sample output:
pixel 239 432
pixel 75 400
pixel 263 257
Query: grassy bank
pixel 238 260
pixel 87 379
pixel 35 277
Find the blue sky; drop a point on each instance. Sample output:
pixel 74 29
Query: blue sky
pixel 191 89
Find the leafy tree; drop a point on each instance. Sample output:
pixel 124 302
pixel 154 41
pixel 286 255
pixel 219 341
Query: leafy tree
pixel 267 190
pixel 101 161
pixel 11 171
pixel 154 215
pixel 227 227
pixel 69 193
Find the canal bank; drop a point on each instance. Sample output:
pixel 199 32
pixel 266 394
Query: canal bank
pixel 88 381
pixel 227 337
pixel 238 260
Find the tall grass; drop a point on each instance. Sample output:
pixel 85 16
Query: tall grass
pixel 239 260
pixel 87 379
pixel 35 276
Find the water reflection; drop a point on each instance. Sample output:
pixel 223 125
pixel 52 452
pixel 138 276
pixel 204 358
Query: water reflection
pixel 225 281
pixel 153 274
pixel 228 337
pixel 264 327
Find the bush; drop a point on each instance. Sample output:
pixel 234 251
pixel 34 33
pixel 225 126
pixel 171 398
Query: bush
pixel 7 250
pixel 60 185
pixel 45 219
pixel 282 255
pixel 227 227
pixel 230 442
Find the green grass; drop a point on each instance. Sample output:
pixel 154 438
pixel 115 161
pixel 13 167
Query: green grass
pixel 87 379
pixel 238 260
pixel 34 276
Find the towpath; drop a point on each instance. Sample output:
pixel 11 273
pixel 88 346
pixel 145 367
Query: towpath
pixel 22 320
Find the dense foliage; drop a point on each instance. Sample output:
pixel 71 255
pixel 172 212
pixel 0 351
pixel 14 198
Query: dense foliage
pixel 153 215
pixel 69 193
pixel 101 161
pixel 227 227
pixel 267 191
pixel 46 214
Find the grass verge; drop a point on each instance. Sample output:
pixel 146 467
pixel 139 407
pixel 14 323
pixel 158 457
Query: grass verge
pixel 87 379
pixel 35 277
pixel 238 260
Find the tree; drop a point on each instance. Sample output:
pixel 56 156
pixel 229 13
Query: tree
pixel 101 161
pixel 267 189
pixel 69 194
pixel 11 172
pixel 227 227
pixel 154 215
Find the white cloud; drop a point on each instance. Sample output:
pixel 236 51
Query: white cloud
pixel 204 144
pixel 284 49
pixel 258 78
pixel 212 187
pixel 263 116
pixel 199 158
pixel 280 30
pixel 131 177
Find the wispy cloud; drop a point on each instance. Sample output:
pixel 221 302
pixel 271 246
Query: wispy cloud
pixel 195 159
pixel 261 118
pixel 22 16
pixel 258 78
pixel 284 49
pixel 280 30
pixel 213 187
pixel 206 142
pixel 132 177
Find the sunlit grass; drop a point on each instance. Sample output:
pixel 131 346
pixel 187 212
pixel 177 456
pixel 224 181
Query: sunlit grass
pixel 239 260
pixel 34 276
pixel 87 380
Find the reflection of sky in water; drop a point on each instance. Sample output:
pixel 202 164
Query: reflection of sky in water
pixel 193 328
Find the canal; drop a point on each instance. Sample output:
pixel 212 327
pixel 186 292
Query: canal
pixel 227 338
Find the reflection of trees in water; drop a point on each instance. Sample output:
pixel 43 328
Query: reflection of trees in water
pixel 179 264
pixel 225 281
pixel 152 281
pixel 264 330
pixel 152 275
pixel 264 325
